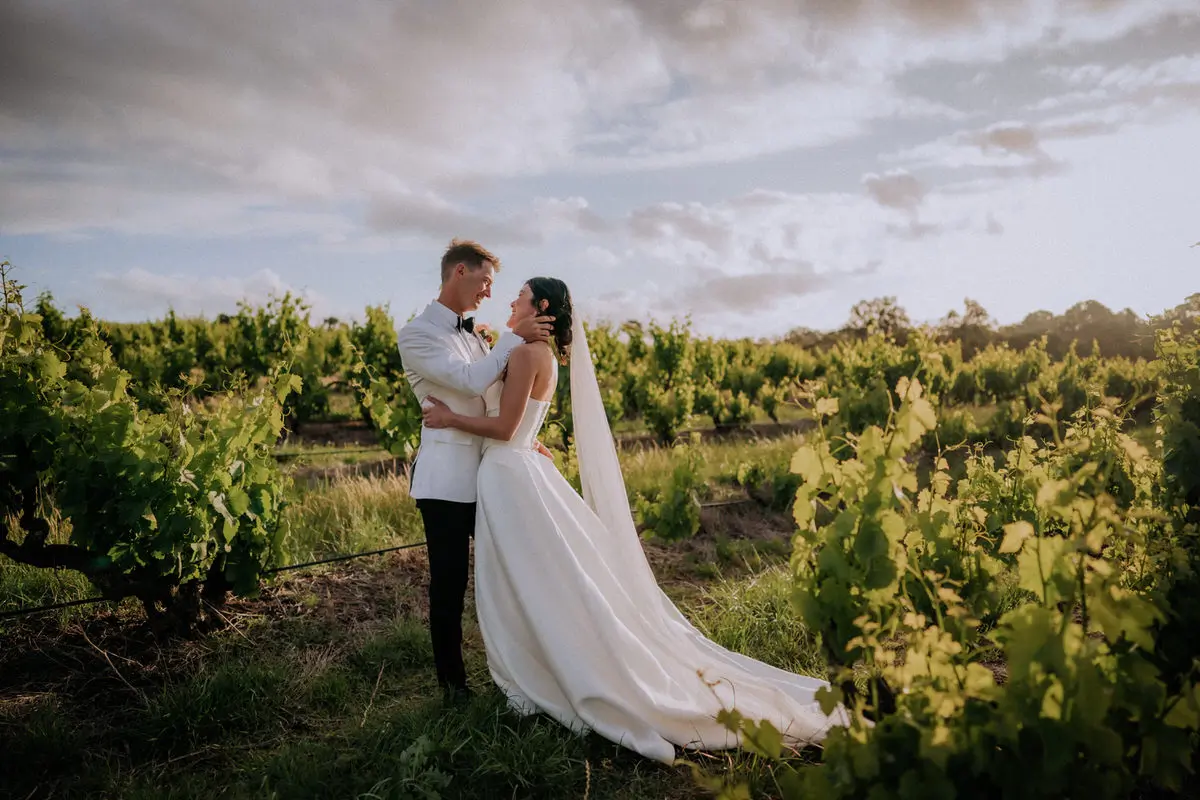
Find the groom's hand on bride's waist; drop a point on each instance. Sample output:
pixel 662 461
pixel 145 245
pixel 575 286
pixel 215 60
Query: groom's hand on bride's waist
pixel 534 329
pixel 541 448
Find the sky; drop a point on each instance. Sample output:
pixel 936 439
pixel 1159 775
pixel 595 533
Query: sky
pixel 753 165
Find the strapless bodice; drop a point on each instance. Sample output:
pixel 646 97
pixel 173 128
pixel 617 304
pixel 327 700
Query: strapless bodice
pixel 527 431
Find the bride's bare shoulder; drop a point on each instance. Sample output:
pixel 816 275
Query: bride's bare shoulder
pixel 537 354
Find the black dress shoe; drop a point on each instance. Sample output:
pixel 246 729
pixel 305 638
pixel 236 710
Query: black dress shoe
pixel 456 695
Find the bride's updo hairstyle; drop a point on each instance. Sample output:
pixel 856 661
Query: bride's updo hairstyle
pixel 558 305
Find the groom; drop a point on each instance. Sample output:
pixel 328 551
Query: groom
pixel 444 356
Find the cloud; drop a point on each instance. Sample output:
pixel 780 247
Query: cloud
pixel 431 217
pixel 718 156
pixel 695 226
pixel 1128 78
pixel 897 189
pixel 982 159
pixel 135 289
pixel 748 292
pixel 1000 144
pixel 1009 137
pixel 828 234
pixel 434 218
pixel 367 105
pixel 766 250
pixel 752 122
pixel 1068 100
pixel 1149 89
pixel 600 257
pixel 72 197
pixel 713 40
pixel 567 214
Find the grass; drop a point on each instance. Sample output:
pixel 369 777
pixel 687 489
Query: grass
pixel 353 515
pixel 300 455
pixel 324 688
pixel 645 465
pixel 22 586
pixel 754 615
pixel 343 406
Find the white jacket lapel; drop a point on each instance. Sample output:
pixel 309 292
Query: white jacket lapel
pixel 456 340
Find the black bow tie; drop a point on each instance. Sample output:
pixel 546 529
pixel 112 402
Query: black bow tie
pixel 467 324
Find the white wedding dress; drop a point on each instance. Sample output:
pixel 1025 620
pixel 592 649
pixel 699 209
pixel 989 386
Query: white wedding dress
pixel 574 622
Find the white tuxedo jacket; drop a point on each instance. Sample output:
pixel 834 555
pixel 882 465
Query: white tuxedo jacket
pixel 457 368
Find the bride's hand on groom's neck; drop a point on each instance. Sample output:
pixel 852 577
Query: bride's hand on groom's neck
pixel 534 329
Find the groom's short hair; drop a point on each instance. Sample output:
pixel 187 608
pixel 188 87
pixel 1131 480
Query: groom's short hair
pixel 465 251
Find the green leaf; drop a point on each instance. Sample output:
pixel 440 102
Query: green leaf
pixel 1027 633
pixel 1036 567
pixel 1055 495
pixel 730 718
pixel 924 414
pixel 1015 534
pixel 830 697
pixel 807 464
pixel 763 738
pixel 217 501
pixel 892 525
pixel 285 384
pixel 1186 711
pixel 790 783
pixel 870 543
pixel 802 508
pixel 827 406
pixel 239 501
pixel 51 368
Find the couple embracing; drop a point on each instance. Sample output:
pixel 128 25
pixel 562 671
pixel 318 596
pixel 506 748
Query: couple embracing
pixel 574 623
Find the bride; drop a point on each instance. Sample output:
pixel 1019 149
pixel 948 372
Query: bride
pixel 573 621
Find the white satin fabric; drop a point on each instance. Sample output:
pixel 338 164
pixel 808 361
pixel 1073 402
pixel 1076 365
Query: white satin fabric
pixel 573 620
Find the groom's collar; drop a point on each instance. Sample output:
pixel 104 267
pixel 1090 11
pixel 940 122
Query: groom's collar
pixel 442 316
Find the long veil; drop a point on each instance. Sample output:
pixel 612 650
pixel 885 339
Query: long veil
pixel 652 678
pixel 604 492
pixel 599 470
pixel 604 486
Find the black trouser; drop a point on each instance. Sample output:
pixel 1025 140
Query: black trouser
pixel 449 527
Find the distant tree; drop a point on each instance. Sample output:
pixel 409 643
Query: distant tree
pixel 974 328
pixel 1186 313
pixel 880 315
pixel 1085 324
pixel 804 337
pixel 1040 319
pixel 976 315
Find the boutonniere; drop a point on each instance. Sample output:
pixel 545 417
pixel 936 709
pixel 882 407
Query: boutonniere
pixel 485 332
